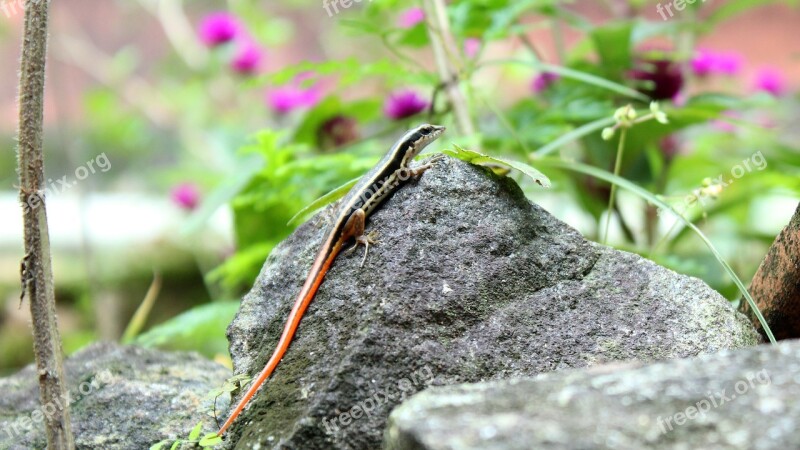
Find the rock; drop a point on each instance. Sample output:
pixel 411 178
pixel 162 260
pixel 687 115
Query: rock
pixel 470 281
pixel 745 399
pixel 120 398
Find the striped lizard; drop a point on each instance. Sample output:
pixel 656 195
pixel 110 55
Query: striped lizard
pixel 374 187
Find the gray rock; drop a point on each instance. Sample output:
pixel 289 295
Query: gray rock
pixel 745 399
pixel 470 282
pixel 120 398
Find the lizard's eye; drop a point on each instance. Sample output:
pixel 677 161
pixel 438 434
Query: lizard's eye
pixel 425 131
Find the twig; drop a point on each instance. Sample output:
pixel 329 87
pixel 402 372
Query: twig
pixel 38 272
pixel 136 91
pixel 178 30
pixel 444 49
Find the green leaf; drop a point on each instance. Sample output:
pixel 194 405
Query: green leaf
pixel 574 135
pixel 195 433
pixel 613 44
pixel 160 445
pixel 655 200
pixel 176 444
pixel 201 329
pixel 210 440
pixel 326 199
pixel 476 158
pixel 575 75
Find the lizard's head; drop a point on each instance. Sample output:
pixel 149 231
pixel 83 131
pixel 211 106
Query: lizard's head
pixel 423 135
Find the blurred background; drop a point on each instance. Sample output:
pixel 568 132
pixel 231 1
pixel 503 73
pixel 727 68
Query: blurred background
pixel 181 137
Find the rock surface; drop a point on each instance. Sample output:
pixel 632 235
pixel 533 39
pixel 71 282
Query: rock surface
pixel 745 399
pixel 120 398
pixel 469 282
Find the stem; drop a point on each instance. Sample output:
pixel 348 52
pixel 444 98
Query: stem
pixel 37 271
pixel 444 49
pixel 558 38
pixel 617 166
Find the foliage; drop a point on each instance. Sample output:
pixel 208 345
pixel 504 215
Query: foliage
pixel 264 144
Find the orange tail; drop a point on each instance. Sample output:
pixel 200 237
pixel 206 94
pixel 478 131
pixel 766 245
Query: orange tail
pixel 310 288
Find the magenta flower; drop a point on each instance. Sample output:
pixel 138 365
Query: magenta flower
pixel 706 62
pixel 543 81
pixel 729 63
pixel 403 104
pixel 770 79
pixel 290 97
pixel 410 17
pixel 186 196
pixel 471 47
pixel 218 28
pixel 247 59
pixel 703 63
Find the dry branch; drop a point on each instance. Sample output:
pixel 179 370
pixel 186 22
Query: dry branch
pixel 37 273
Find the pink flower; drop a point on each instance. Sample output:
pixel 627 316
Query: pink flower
pixel 411 17
pixel 543 81
pixel 403 104
pixel 186 196
pixel 703 63
pixel 471 47
pixel 218 28
pixel 292 96
pixel 706 62
pixel 770 79
pixel 247 59
pixel 729 63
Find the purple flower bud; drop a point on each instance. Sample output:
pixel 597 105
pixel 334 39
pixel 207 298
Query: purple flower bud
pixel 218 28
pixel 410 17
pixel 664 77
pixel 669 146
pixel 770 79
pixel 403 104
pixel 543 81
pixel 186 196
pixel 337 131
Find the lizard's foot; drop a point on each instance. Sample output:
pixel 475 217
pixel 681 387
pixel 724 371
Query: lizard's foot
pixel 417 171
pixel 366 240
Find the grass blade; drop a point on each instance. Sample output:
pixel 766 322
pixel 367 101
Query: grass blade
pixel 650 197
pixel 326 199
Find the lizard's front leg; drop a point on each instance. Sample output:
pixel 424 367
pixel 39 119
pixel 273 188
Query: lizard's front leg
pixel 417 171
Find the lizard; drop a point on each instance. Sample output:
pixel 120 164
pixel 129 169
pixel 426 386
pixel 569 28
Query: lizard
pixel 391 172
